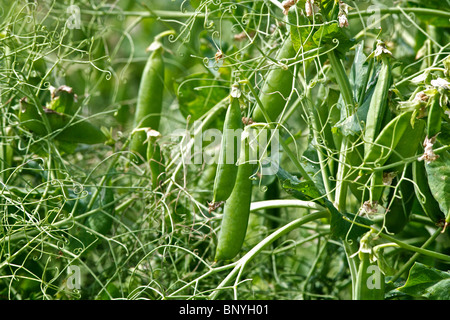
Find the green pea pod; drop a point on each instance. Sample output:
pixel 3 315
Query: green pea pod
pixel 378 105
pixel 408 145
pixel 277 86
pixel 422 189
pixel 438 172
pixel 370 280
pixel 399 207
pixel 236 210
pixel 376 186
pixel 155 158
pixel 227 168
pixel 434 118
pixel 43 121
pixel 63 100
pixel 149 102
pixel 387 140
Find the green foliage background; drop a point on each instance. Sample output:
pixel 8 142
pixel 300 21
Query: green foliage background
pixel 159 244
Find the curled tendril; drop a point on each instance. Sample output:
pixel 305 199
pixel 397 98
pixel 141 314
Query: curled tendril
pixel 76 293
pixel 46 85
pixel 183 9
pixel 246 18
pixel 206 62
pixel 235 28
pixel 172 38
pixel 29 19
pixel 229 7
pixel 215 34
pixel 336 40
pixel 404 22
pixel 78 188
pixel 78 251
pixel 62 241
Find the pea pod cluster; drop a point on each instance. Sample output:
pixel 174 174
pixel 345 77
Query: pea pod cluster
pixel 236 209
pixel 149 102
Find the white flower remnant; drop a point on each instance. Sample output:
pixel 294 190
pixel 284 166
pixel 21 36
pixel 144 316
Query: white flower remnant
pixel 420 78
pixel 370 207
pixel 428 154
pixel 343 21
pixel 420 97
pixel 343 13
pixel 388 177
pixel 440 83
pixel 287 4
pixel 235 92
pixel 311 8
pixel 381 49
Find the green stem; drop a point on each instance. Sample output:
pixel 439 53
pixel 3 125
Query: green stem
pixel 397 10
pixel 347 95
pixel 315 120
pixel 240 264
pixel 403 244
pixel 270 204
pixel 350 249
pixel 342 81
pixel 411 261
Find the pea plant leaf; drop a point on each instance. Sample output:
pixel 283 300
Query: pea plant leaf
pixel 444 136
pixel 302 190
pixel 334 36
pixel 427 282
pixel 359 70
pixel 198 93
pixel 438 172
pixel 346 225
pixel 300 31
pixel 342 226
